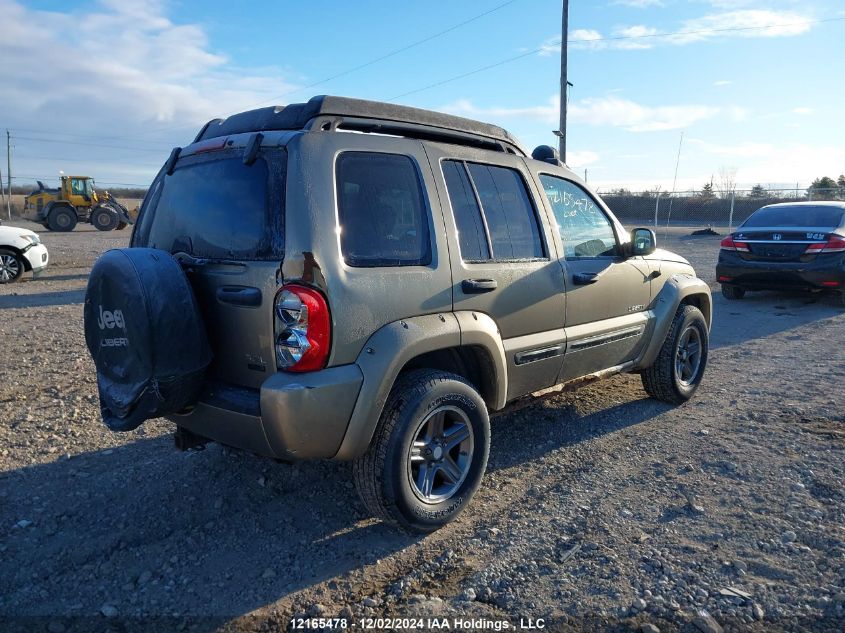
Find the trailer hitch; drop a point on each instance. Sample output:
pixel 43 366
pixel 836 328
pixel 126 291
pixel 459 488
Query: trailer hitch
pixel 186 440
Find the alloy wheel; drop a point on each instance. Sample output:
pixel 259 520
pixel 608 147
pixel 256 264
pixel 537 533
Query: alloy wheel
pixel 10 268
pixel 440 454
pixel 688 356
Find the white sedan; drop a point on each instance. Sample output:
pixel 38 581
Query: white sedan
pixel 21 250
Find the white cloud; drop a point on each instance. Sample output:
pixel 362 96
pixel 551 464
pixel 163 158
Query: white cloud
pixel 581 158
pixel 775 163
pixel 545 113
pixel 641 37
pixel 804 111
pixel 601 111
pixel 745 23
pixel 745 149
pixel 635 117
pixel 722 82
pixel 120 68
pixel 742 23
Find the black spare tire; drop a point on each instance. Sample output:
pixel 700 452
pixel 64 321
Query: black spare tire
pixel 146 336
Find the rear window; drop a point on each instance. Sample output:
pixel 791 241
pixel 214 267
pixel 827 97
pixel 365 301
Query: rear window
pixel 217 207
pixel 383 220
pixel 816 217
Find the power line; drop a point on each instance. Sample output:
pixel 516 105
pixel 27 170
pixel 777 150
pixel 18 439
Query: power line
pixel 50 140
pixel 600 39
pixel 312 85
pixel 364 65
pixel 90 136
pixel 102 182
pixel 82 158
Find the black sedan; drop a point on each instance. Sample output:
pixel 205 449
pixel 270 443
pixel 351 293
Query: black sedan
pixel 795 245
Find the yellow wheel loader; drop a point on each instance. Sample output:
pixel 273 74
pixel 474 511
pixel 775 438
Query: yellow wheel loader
pixel 76 201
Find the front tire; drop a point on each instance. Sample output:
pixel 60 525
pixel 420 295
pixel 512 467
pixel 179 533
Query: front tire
pixel 104 219
pixel 428 454
pixel 11 266
pixel 677 372
pixel 732 293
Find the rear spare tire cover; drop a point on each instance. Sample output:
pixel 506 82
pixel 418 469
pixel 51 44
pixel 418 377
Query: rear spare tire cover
pixel 145 334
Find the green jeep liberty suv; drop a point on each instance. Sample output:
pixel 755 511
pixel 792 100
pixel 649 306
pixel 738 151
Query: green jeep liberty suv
pixel 354 280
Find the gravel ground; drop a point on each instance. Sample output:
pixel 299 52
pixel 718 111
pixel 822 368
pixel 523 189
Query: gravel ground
pixel 601 508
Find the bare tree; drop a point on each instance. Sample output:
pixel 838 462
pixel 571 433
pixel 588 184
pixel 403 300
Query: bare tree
pixel 727 181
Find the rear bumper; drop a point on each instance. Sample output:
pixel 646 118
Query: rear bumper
pixel 817 275
pixel 291 417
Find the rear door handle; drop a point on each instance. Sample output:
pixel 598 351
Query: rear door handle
pixel 239 296
pixel 584 279
pixel 476 286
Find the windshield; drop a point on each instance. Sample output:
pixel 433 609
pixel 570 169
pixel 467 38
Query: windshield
pixel 797 216
pixel 217 207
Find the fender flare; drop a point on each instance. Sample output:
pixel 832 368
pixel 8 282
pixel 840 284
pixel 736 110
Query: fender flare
pixel 678 289
pixel 393 345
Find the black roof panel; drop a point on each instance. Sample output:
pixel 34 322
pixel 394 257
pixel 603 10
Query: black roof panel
pixel 296 116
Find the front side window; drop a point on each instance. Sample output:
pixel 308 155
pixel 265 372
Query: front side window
pixel 493 213
pixel 584 228
pixel 383 219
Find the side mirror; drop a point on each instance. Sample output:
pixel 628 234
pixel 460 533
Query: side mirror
pixel 643 242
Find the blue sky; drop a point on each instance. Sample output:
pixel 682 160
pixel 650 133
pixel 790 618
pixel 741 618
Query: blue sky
pixel 106 87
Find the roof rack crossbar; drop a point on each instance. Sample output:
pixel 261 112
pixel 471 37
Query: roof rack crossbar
pixel 411 130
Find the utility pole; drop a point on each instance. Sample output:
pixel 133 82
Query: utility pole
pixel 2 190
pixel 563 78
pixel 9 173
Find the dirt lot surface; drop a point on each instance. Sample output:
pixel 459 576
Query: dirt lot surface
pixel 601 509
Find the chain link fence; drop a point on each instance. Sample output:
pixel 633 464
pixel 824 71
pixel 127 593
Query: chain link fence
pixel 671 213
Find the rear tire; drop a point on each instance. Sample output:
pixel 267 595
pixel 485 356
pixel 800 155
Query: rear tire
pixel 428 454
pixel 732 293
pixel 62 219
pixel 104 219
pixel 121 226
pixel 11 266
pixel 676 373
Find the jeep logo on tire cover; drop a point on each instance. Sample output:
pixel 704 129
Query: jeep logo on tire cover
pixel 110 319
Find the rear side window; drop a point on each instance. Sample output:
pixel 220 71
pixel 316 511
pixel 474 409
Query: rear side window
pixel 217 207
pixel 472 235
pixel 383 219
pixel 505 226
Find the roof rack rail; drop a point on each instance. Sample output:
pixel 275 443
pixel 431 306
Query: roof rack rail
pixel 331 113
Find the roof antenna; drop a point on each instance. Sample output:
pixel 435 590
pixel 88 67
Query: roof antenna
pixel 674 183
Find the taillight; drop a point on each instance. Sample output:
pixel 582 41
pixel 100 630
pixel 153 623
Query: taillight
pixel 302 329
pixel 834 244
pixel 728 244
